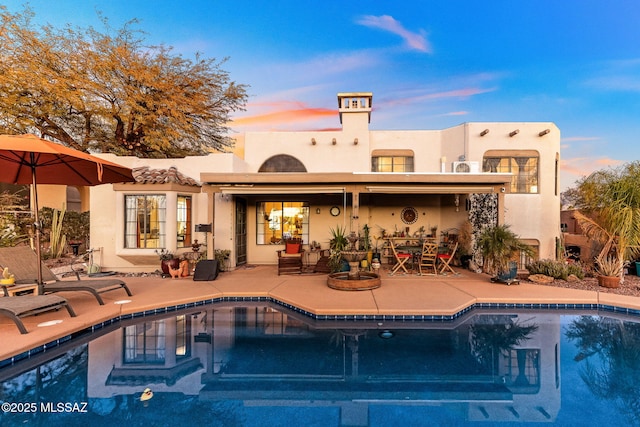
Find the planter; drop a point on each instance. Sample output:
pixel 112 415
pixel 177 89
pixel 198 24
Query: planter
pixel 10 281
pixel 165 263
pixel 609 281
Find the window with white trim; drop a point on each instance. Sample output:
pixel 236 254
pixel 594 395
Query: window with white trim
pixel 145 221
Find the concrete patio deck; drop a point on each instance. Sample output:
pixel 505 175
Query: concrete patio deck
pixel 399 295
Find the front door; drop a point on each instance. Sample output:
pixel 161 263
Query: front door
pixel 241 231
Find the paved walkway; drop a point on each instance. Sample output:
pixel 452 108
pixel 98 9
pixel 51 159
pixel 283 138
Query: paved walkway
pixel 399 295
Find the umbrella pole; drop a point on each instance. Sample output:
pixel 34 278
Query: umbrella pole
pixel 37 226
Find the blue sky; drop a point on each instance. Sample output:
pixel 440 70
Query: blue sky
pixel 429 64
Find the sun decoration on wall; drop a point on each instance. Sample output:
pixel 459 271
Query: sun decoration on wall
pixel 409 215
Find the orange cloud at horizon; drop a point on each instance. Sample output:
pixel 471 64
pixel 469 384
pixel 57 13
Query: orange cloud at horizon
pixel 285 116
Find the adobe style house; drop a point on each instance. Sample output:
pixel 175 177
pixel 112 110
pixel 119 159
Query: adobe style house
pixel 302 184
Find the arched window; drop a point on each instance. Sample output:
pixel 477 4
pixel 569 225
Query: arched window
pixel 282 163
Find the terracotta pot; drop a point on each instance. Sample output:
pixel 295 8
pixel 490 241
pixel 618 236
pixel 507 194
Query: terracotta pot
pixel 609 281
pixel 165 263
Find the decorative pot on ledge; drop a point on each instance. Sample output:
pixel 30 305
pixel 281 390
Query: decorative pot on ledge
pixel 166 263
pixel 609 281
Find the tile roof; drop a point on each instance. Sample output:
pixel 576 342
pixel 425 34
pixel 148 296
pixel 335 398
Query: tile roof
pixel 146 175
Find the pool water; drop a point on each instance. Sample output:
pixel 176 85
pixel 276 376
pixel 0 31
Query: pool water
pixel 255 365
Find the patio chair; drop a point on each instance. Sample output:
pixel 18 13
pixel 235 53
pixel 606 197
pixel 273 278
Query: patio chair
pixel 22 262
pixel 29 305
pixel 290 258
pixel 428 258
pixel 401 260
pixel 445 260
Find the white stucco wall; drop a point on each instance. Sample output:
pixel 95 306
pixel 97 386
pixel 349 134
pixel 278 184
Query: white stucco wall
pixel 531 216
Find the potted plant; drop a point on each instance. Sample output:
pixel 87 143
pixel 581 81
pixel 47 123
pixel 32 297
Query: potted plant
pixel 366 243
pixel 167 259
pixel 222 255
pixel 7 277
pixel 609 269
pixel 337 244
pixel 499 246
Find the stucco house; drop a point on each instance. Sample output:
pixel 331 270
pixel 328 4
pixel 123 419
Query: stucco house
pixel 302 184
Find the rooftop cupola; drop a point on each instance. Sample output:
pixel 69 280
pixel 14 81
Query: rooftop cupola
pixel 355 107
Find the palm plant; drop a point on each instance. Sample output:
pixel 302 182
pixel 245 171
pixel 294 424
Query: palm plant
pixel 337 244
pixel 498 246
pixel 612 202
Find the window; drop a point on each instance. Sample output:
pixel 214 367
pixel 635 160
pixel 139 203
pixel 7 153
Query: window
pixel 392 161
pixel 523 166
pixel 523 258
pixel 392 164
pixel 145 343
pixel 277 221
pixel 145 221
pixel 184 221
pixel 183 336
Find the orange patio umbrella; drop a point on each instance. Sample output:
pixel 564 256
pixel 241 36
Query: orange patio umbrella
pixel 28 159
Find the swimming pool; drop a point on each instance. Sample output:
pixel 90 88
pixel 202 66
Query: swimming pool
pixel 245 365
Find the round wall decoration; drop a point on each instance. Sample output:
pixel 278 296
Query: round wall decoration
pixel 409 215
pixel 335 211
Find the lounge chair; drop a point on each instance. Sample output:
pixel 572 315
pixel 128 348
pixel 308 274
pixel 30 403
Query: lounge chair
pixel 30 305
pixel 22 262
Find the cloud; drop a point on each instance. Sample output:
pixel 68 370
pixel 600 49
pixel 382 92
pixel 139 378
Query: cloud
pixel 575 168
pixel 618 76
pixel 420 96
pixel 285 113
pixel 417 41
pixel 580 138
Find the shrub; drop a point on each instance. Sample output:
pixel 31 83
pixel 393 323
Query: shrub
pixel 555 269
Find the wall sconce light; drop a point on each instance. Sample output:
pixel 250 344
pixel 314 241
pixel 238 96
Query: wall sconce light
pixel 333 141
pixel 355 141
pixel 313 141
pixel 456 201
pixel 544 132
pixel 318 211
pixel 514 133
pixel 484 132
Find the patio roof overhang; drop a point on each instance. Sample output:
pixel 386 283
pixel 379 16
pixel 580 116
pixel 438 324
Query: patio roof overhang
pixel 335 183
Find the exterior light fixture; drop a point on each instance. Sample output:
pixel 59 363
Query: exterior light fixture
pixel 484 132
pixel 318 211
pixel 544 132
pixel 355 141
pixel 514 133
pixel 457 202
pixel 333 141
pixel 313 141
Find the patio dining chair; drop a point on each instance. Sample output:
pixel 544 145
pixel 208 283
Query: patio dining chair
pixel 428 258
pixel 401 260
pixel 22 261
pixel 445 260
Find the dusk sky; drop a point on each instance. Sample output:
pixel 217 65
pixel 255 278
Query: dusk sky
pixel 429 64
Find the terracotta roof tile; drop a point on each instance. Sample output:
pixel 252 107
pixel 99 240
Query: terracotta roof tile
pixel 146 175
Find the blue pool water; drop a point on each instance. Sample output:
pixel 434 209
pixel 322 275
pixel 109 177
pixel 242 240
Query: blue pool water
pixel 255 365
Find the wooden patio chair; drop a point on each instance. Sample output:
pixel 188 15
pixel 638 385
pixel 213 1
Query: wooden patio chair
pixel 23 263
pixel 428 258
pixel 401 260
pixel 290 259
pixel 445 260
pixel 18 307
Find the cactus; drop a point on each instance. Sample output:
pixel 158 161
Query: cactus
pixel 57 240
